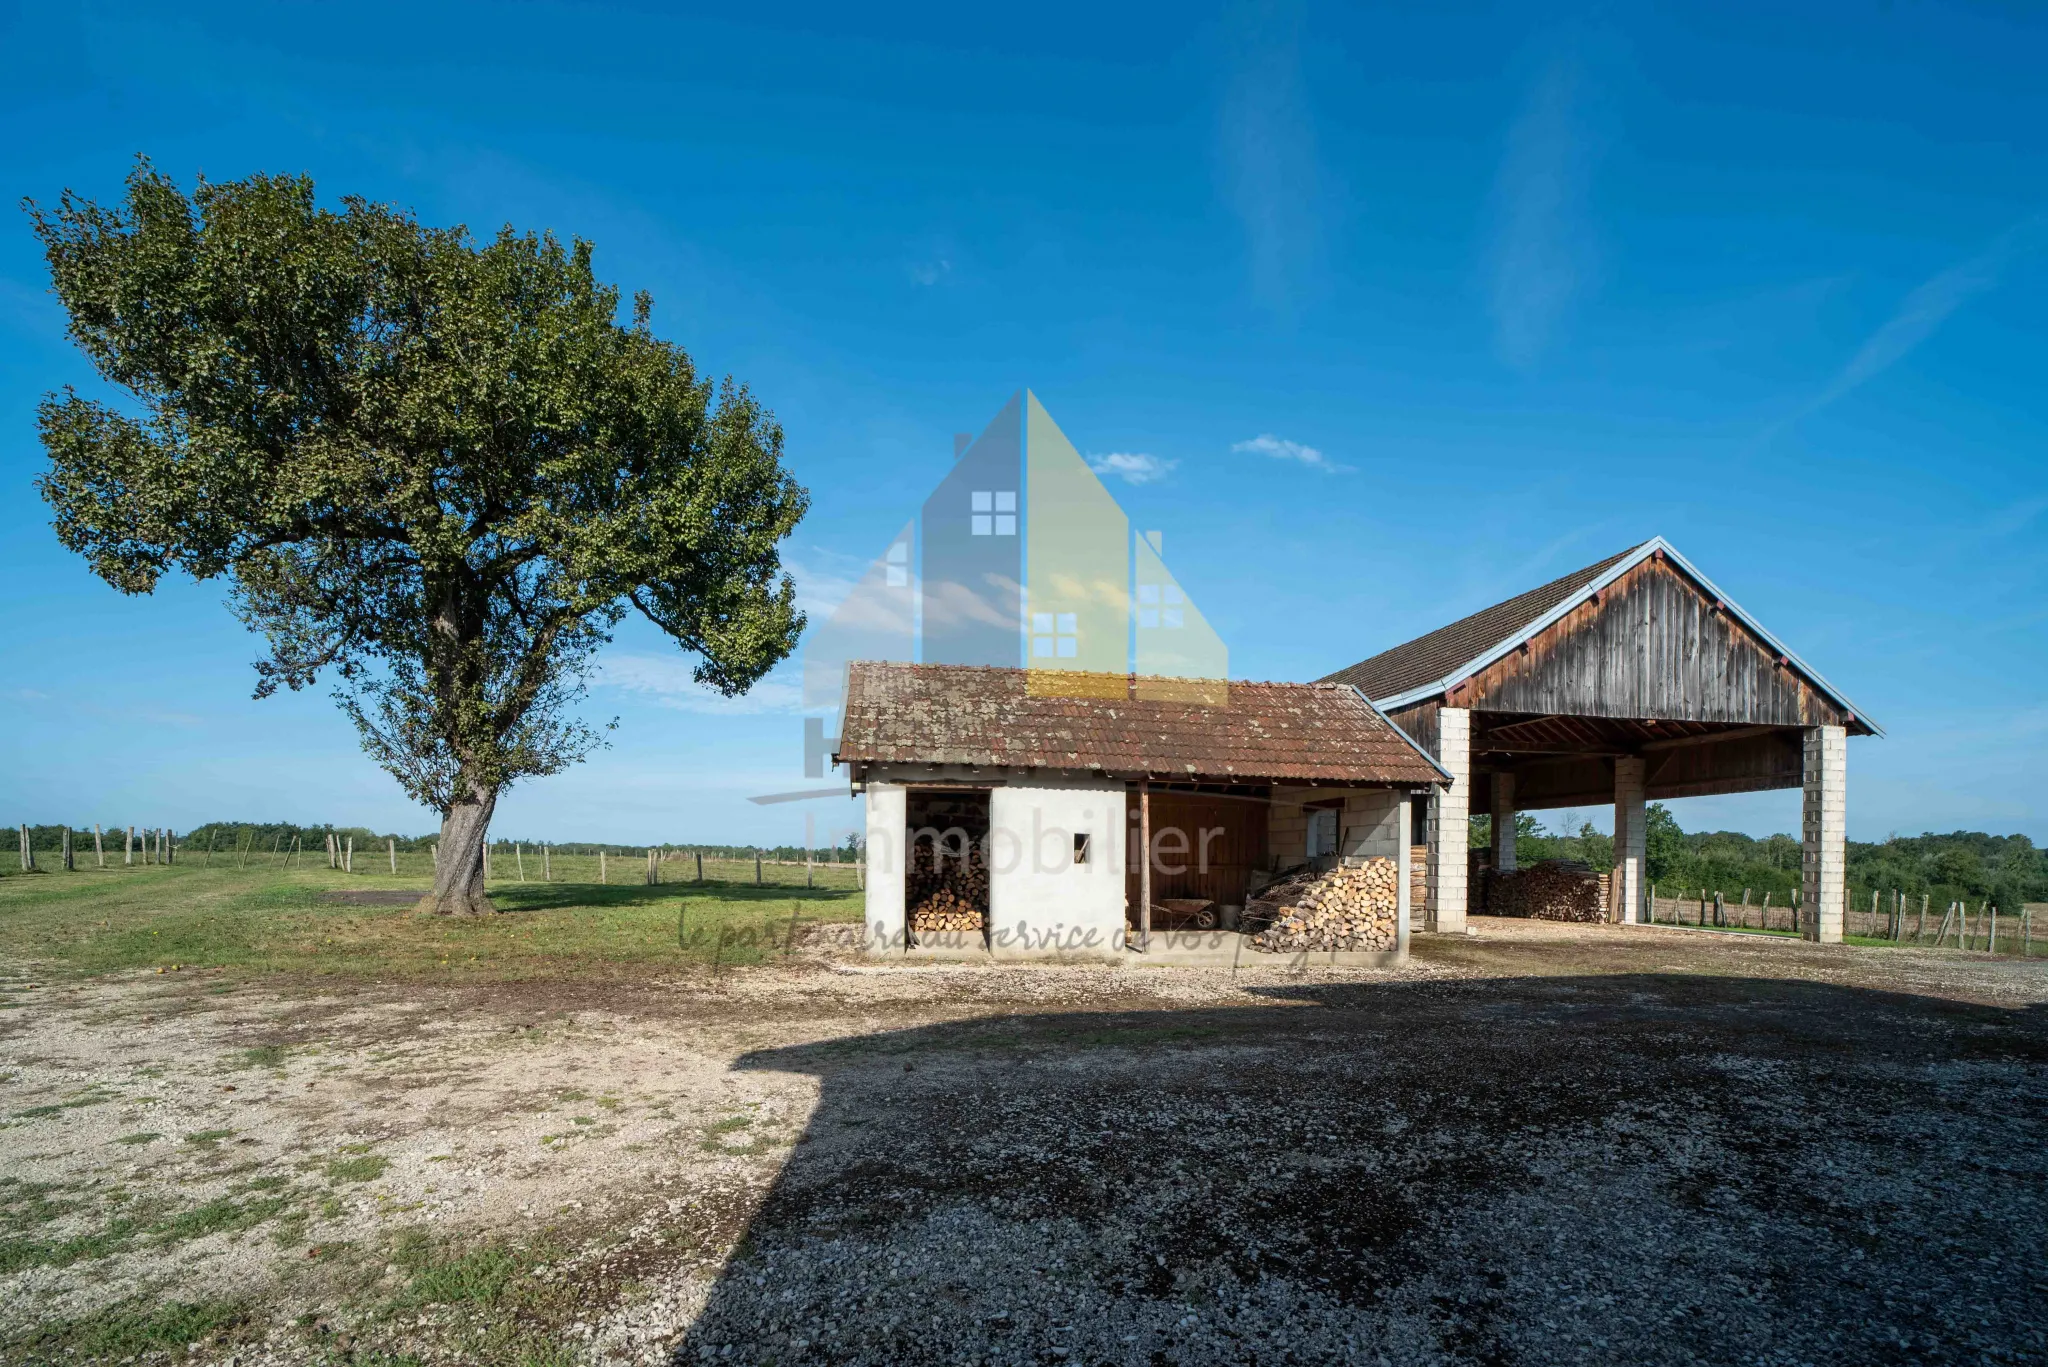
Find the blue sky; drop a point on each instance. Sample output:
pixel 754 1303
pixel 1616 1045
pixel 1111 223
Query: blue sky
pixel 1501 290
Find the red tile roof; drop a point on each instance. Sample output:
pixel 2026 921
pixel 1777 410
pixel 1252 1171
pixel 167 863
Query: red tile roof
pixel 974 715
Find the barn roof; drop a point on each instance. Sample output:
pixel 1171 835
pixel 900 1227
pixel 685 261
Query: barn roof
pixel 994 717
pixel 1433 663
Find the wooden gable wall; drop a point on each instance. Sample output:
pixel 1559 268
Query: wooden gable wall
pixel 1653 646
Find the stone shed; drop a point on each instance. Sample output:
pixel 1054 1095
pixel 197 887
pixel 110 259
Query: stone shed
pixel 1035 813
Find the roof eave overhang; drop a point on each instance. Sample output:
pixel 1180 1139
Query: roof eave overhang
pixel 1646 551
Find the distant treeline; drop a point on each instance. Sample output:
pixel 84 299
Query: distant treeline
pixel 2007 870
pixel 263 837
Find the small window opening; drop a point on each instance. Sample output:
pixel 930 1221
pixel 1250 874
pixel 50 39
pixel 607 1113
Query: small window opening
pixel 1080 848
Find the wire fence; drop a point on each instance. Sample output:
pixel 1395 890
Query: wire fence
pixel 65 849
pixel 1894 918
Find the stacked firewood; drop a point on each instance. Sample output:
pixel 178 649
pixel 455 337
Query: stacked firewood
pixel 945 890
pixel 1353 907
pixel 1554 890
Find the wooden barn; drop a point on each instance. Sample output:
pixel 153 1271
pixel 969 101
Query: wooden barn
pixel 1629 681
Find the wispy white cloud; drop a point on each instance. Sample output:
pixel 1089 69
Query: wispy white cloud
pixel 931 272
pixel 1919 315
pixel 1279 448
pixel 1542 253
pixel 824 579
pixel 1132 467
pixel 669 680
pixel 1267 149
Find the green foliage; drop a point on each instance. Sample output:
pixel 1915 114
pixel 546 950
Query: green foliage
pixel 1663 841
pixel 218 1216
pixel 271 920
pixel 123 1332
pixel 366 1168
pixel 448 1276
pixel 1962 866
pixel 440 471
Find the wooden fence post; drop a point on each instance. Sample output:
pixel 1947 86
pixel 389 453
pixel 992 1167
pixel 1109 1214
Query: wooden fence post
pixel 600 866
pixel 519 859
pixel 348 858
pixel 391 848
pixel 69 866
pixel 700 866
pixel 99 848
pixel 757 866
pixel 128 846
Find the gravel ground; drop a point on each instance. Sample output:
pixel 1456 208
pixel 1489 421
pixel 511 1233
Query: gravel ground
pixel 1536 1144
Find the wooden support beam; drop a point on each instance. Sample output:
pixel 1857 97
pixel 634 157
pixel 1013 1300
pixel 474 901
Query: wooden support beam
pixel 1145 868
pixel 1715 737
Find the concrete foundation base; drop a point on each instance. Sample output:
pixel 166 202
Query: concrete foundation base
pixel 971 946
pixel 1228 949
pixel 1169 949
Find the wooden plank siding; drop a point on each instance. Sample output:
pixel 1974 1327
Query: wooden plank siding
pixel 1419 721
pixel 1232 855
pixel 1653 647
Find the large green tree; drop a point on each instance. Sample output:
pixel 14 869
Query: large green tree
pixel 437 470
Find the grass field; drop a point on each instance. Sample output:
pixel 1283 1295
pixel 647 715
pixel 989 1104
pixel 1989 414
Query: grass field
pixel 267 919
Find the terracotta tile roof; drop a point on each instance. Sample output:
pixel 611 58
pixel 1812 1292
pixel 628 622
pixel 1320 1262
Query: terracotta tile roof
pixel 965 714
pixel 1444 651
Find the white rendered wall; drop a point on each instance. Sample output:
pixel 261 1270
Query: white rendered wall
pixel 1824 830
pixel 1450 834
pixel 888 816
pixel 1041 903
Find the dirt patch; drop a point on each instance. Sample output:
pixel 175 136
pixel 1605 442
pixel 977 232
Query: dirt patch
pixel 1538 1143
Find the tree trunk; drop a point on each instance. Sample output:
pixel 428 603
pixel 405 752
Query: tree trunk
pixel 459 876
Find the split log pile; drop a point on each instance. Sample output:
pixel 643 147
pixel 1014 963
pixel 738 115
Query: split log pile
pixel 945 891
pixel 1351 907
pixel 1553 890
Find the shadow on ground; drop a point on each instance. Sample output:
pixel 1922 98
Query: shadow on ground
pixel 1631 1169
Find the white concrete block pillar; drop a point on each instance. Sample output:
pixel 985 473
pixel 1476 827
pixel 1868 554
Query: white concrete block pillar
pixel 1504 823
pixel 888 825
pixel 1452 838
pixel 1824 833
pixel 1404 911
pixel 1631 831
